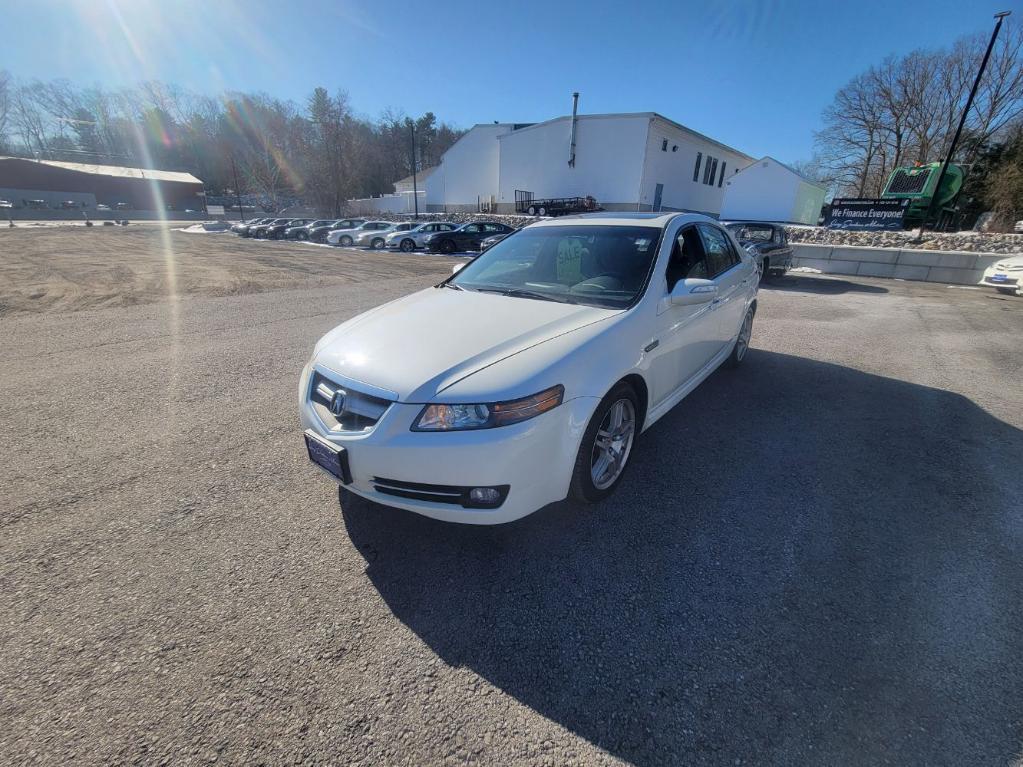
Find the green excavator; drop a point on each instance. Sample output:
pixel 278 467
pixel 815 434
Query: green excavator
pixel 917 184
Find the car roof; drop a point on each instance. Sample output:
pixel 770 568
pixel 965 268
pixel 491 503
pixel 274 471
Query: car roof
pixel 614 218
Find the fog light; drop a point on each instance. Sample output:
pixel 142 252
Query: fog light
pixel 484 496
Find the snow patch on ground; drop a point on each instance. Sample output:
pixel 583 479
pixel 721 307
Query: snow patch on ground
pixel 805 270
pixel 207 227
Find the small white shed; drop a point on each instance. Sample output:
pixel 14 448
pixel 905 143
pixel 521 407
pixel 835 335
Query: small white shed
pixel 768 190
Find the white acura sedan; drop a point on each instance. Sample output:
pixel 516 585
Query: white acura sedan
pixel 527 375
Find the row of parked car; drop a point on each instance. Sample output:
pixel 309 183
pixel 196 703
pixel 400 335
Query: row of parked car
pixel 406 236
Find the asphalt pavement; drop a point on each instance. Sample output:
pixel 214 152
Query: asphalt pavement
pixel 814 559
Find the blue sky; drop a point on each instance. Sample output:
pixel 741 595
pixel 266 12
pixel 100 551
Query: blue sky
pixel 754 75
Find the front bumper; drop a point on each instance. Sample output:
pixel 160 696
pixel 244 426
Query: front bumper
pixel 534 459
pixel 1002 279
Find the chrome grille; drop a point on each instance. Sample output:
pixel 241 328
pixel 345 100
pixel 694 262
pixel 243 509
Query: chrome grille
pixel 344 408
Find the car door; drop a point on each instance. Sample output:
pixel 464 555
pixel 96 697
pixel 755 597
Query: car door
pixel 732 276
pixel 469 236
pixel 784 249
pixel 685 338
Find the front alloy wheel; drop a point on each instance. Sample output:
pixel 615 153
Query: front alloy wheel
pixel 742 341
pixel 606 445
pixel 613 444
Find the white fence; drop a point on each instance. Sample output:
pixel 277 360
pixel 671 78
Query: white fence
pixel 388 203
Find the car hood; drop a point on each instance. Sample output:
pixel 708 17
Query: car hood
pixel 1011 262
pixel 418 346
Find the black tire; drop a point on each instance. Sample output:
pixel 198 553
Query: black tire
pixel 742 342
pixel 447 246
pixel 377 243
pixel 1007 291
pixel 407 245
pixel 345 242
pixel 765 269
pixel 583 488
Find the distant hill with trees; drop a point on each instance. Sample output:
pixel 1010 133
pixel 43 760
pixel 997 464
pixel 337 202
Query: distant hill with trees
pixel 320 151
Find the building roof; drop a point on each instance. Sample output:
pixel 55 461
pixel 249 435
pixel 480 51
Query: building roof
pixel 116 170
pixel 642 115
pixel 768 158
pixel 421 176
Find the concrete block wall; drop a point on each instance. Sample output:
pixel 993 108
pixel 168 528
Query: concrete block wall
pixel 947 267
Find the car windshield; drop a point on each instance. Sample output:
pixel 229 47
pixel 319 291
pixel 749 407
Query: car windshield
pixel 751 232
pixel 595 265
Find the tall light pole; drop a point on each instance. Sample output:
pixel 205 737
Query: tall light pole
pixel 237 192
pixel 415 188
pixel 962 120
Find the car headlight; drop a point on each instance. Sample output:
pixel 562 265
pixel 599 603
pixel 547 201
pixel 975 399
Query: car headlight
pixel 489 415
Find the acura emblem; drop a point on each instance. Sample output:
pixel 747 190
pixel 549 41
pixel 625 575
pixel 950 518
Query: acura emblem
pixel 337 402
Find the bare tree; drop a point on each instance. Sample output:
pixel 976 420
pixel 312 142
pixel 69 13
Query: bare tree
pixel 906 109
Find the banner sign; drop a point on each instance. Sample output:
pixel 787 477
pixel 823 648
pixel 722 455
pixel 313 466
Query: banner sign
pixel 866 214
pixel 215 210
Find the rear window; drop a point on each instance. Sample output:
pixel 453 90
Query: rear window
pixel 752 233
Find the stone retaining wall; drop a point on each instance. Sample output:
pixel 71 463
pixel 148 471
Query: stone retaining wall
pixel 949 267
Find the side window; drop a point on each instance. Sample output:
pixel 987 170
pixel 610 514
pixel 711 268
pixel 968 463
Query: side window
pixel 687 258
pixel 493 228
pixel 472 228
pixel 720 256
pixel 696 170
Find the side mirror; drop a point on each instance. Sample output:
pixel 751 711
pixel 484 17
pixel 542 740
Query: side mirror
pixel 693 291
pixel 456 267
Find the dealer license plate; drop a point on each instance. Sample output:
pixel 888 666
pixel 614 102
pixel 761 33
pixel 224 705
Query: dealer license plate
pixel 328 456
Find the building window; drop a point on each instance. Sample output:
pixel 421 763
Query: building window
pixel 721 178
pixel 696 170
pixel 710 170
pixel 664 145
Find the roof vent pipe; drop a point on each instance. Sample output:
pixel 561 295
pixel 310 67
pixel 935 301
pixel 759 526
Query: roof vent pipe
pixel 575 111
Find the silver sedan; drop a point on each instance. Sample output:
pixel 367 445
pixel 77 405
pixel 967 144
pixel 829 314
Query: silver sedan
pixel 375 238
pixel 413 239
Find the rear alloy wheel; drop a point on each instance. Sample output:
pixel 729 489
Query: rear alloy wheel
pixel 542 211
pixel 742 342
pixel 346 241
pixel 447 246
pixel 303 236
pixel 407 245
pixel 377 243
pixel 606 445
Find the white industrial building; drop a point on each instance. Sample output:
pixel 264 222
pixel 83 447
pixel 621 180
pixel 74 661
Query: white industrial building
pixel 768 190
pixel 635 161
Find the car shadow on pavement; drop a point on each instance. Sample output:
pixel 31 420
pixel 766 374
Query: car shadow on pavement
pixel 823 285
pixel 833 575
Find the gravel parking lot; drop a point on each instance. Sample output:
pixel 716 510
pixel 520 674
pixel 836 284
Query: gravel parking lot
pixel 816 559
